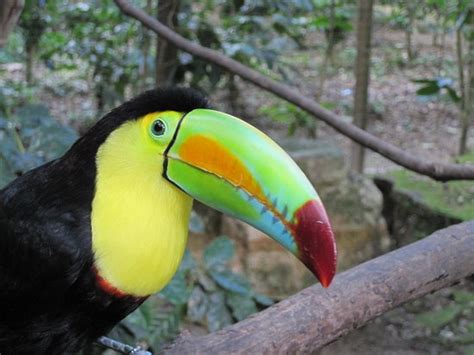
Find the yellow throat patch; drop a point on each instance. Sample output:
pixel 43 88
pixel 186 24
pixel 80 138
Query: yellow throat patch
pixel 139 220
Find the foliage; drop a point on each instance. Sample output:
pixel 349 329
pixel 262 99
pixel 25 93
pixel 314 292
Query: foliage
pixel 29 138
pixel 92 32
pixel 34 21
pixel 13 49
pixel 340 26
pixel 291 115
pixel 14 94
pixel 436 86
pixel 453 323
pixel 266 31
pixel 437 319
pixel 466 158
pixel 93 40
pixel 205 293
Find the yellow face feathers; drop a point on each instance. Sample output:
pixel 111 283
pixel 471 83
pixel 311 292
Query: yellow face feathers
pixel 139 220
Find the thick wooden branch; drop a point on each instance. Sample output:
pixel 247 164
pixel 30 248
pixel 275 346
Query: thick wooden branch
pixel 435 170
pixel 315 317
pixel 10 11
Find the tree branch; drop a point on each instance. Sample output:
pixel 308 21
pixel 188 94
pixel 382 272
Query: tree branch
pixel 437 171
pixel 315 316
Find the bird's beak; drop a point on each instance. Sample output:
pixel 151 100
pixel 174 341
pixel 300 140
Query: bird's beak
pixel 231 166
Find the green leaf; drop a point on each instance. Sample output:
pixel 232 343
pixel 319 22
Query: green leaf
pixel 188 263
pixel 231 281
pixel 218 315
pixel 219 252
pixel 6 175
pixel 146 312
pixel 177 291
pixel 166 325
pixel 241 306
pixel 452 94
pixel 437 319
pixel 196 224
pixel 428 90
pixel 425 81
pixel 263 300
pixel 198 305
pixel 205 281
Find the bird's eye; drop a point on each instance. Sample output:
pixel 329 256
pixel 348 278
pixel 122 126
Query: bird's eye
pixel 158 128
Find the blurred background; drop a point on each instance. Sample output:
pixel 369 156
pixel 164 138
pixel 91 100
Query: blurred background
pixel 67 63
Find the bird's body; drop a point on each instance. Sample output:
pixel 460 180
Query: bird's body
pixel 48 283
pixel 85 239
pixel 51 295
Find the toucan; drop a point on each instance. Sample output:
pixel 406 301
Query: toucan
pixel 86 238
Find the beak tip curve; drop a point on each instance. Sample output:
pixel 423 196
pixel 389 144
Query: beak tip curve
pixel 316 242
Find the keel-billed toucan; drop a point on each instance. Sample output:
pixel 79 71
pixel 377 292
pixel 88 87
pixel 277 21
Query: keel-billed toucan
pixel 86 238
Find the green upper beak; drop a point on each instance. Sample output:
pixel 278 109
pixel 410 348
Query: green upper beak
pixel 231 166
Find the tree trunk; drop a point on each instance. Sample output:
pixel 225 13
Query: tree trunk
pixel 462 87
pixel 146 48
pixel 10 11
pixel 362 74
pixel 411 10
pixel 166 53
pixel 438 25
pixel 332 32
pixel 233 95
pixel 329 54
pixel 469 94
pixel 30 60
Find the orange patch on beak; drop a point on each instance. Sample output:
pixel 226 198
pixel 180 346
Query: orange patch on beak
pixel 208 155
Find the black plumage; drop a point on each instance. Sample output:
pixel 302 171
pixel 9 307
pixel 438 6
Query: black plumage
pixel 50 301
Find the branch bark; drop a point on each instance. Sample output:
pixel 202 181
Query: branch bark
pixel 435 170
pixel 166 53
pixel 315 317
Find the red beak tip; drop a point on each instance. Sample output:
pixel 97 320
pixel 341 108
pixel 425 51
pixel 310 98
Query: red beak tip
pixel 326 282
pixel 314 235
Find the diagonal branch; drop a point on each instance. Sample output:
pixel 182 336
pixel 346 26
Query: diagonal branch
pixel 437 171
pixel 315 316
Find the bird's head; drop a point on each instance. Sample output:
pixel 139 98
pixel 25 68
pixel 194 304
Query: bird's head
pixel 169 152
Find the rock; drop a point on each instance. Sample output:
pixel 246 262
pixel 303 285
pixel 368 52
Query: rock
pixel 355 209
pixel 271 269
pixel 322 162
pixel 408 217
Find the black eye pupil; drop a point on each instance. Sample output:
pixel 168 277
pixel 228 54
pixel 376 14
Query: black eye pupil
pixel 158 128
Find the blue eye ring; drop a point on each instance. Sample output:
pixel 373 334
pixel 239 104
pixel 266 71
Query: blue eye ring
pixel 158 128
